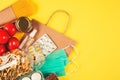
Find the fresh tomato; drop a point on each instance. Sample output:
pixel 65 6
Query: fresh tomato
pixel 2 49
pixel 13 43
pixel 4 36
pixel 10 28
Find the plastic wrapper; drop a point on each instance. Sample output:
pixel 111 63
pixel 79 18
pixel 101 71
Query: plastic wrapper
pixel 17 64
pixel 35 55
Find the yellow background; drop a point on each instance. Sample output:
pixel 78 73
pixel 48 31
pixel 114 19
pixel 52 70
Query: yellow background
pixel 95 25
pixel 6 3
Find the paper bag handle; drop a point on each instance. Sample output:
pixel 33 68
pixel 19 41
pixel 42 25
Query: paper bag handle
pixel 62 11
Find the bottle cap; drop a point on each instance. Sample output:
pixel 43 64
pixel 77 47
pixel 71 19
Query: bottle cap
pixel 32 34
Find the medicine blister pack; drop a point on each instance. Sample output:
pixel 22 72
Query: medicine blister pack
pixel 46 44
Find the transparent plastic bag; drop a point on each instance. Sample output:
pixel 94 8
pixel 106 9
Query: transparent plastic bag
pixel 17 65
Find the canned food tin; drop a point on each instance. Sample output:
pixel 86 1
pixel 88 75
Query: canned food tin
pixel 23 24
pixel 34 75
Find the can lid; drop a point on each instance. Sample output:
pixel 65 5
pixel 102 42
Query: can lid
pixel 23 24
pixel 36 76
pixel 26 78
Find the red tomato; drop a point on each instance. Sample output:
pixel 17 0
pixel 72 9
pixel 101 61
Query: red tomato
pixel 13 43
pixel 3 36
pixel 2 49
pixel 10 28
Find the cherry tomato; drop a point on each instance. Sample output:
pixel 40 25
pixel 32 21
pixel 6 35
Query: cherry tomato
pixel 13 43
pixel 4 36
pixel 10 28
pixel 2 49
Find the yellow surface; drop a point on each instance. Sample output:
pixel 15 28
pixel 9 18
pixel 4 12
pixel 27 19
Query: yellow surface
pixel 95 25
pixel 6 3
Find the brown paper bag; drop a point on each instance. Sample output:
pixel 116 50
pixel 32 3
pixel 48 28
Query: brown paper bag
pixel 7 15
pixel 59 39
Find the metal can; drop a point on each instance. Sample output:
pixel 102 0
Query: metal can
pixel 23 24
pixel 34 75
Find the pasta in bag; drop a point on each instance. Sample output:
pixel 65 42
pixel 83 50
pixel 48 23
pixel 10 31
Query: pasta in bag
pixel 14 64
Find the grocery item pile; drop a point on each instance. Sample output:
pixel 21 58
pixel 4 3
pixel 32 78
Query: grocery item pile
pixel 39 54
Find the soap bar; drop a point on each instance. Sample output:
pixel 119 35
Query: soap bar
pixel 52 77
